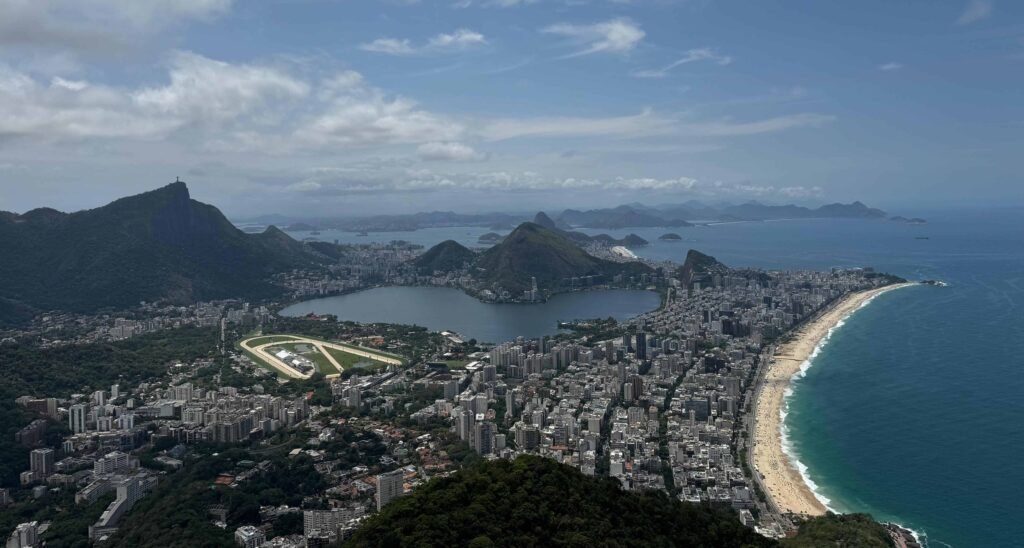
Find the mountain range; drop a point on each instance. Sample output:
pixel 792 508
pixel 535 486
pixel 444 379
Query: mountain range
pixel 159 245
pixel 632 215
pixel 679 215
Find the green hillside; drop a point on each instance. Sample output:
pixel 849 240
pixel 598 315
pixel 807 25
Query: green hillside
pixel 532 251
pixel 446 256
pixel 534 501
pixel 156 245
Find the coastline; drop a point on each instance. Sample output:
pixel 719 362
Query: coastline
pixel 783 478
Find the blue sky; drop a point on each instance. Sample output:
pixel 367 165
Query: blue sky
pixel 352 107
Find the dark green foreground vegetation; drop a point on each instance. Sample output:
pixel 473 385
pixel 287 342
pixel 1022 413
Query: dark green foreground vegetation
pixel 534 501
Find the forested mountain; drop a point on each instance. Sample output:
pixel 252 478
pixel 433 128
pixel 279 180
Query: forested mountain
pixel 532 251
pixel 157 245
pixel 446 256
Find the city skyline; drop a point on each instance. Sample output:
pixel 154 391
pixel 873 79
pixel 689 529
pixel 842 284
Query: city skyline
pixel 330 108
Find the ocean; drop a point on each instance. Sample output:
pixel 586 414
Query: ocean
pixel 913 410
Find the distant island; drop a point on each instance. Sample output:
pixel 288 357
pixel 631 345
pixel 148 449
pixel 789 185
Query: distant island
pixel 912 220
pixel 490 238
pixel 671 236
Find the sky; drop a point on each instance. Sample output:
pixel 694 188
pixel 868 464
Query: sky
pixel 357 107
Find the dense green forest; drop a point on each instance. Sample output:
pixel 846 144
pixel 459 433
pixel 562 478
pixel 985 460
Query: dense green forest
pixel 841 531
pixel 534 501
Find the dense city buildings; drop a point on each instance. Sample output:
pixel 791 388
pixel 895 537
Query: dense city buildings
pixel 660 402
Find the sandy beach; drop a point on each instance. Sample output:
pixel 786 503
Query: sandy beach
pixel 779 477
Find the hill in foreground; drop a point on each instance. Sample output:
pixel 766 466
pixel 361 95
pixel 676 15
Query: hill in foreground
pixel 159 245
pixel 534 501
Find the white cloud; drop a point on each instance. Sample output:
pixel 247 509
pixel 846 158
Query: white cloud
pixel 343 181
pixel 691 56
pixel 643 124
pixel 459 40
pixel 73 85
pixel 976 10
pixel 448 151
pixel 203 89
pixel 647 123
pixel 890 66
pixel 372 117
pixel 612 36
pixel 79 110
pixel 96 25
pixel 719 188
pixel 390 46
pixel 730 128
pixel 225 107
pixel 493 3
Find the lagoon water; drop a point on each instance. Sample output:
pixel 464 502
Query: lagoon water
pixel 914 409
pixel 441 308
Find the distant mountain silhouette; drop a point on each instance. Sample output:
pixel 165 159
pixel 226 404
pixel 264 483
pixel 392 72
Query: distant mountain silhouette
pixel 673 215
pixel 159 245
pixel 618 217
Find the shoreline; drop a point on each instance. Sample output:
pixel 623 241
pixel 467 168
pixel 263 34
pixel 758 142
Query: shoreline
pixel 782 476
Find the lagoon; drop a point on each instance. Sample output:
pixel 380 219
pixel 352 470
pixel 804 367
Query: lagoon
pixel 442 308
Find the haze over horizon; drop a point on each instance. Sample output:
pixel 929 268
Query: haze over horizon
pixel 354 108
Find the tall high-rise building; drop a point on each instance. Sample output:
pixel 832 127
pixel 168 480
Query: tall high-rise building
pixel 76 418
pixel 527 437
pixel 41 463
pixel 389 487
pixel 641 345
pixel 483 438
pixel 451 389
